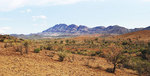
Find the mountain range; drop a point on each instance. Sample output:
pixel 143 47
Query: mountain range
pixel 81 29
pixel 72 30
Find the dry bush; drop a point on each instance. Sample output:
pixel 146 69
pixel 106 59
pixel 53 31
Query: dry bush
pixel 143 68
pixel 62 56
pixel 115 56
pixel 26 45
pixel 19 48
pixel 49 47
pixel 51 54
pixel 71 58
pixel 5 45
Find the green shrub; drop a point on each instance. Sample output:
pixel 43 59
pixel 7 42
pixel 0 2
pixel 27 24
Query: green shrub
pixel 62 56
pixel 67 41
pixel 124 43
pixel 96 53
pixel 145 53
pixel 143 68
pixel 93 54
pixel 131 63
pixel 100 53
pixel 61 42
pixel 2 40
pixel 37 50
pixel 48 47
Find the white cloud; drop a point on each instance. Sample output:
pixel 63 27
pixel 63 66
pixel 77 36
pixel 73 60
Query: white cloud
pixel 4 29
pixel 8 5
pixel 26 11
pixel 39 17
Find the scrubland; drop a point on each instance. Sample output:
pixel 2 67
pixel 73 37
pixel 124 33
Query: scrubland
pixel 123 55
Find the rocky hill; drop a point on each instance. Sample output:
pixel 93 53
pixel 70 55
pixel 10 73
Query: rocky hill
pixel 64 30
pixel 81 29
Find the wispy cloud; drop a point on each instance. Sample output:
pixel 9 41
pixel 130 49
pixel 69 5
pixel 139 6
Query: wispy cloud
pixel 8 5
pixel 4 29
pixel 26 11
pixel 43 17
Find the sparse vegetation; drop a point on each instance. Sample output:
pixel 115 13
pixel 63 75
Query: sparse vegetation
pixel 130 53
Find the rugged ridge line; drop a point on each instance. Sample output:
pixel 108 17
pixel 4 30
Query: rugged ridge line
pixel 81 29
pixel 64 30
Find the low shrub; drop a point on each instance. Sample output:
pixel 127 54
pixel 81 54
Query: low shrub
pixel 62 56
pixel 19 48
pixel 5 45
pixel 37 50
pixel 49 47
pixel 41 47
pixel 26 45
pixel 143 68
pixel 97 53
pixel 2 40
pixel 110 70
pixel 93 54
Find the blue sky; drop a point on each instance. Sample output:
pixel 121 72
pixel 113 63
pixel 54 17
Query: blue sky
pixel 32 16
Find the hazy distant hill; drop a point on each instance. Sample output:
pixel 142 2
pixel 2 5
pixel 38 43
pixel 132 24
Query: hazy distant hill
pixel 147 28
